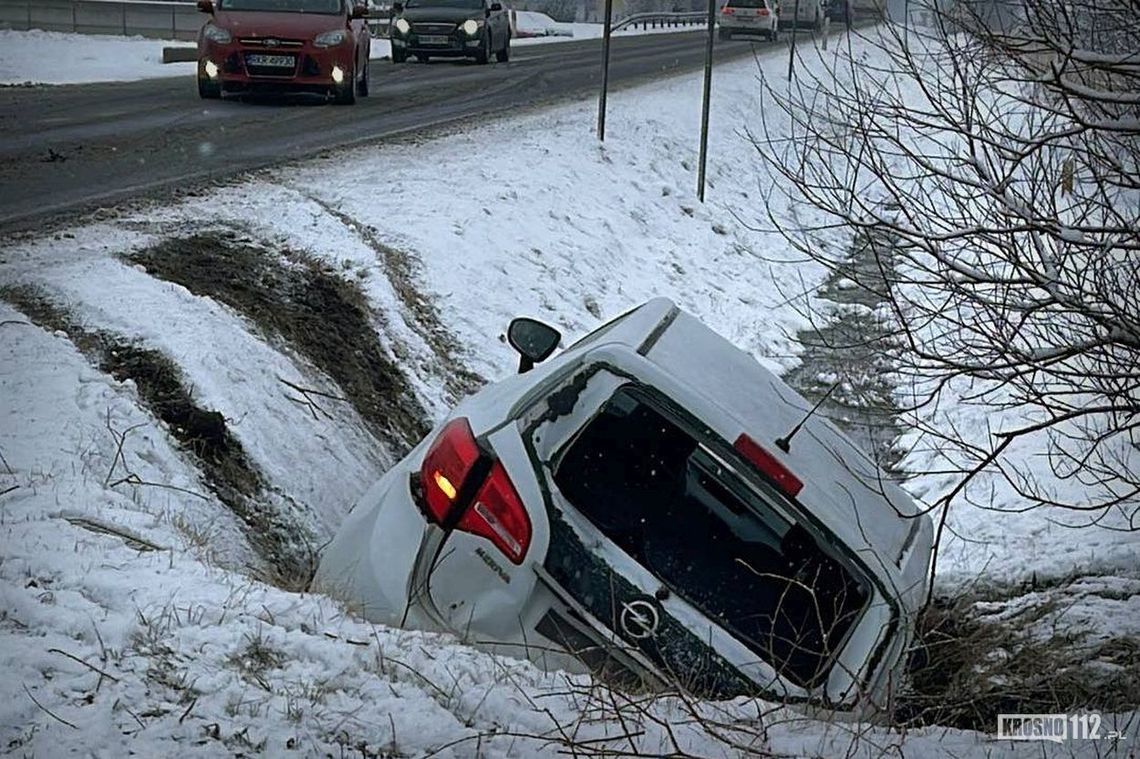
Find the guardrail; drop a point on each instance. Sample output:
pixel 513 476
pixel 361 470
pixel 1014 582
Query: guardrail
pixel 654 20
pixel 144 18
pixel 158 19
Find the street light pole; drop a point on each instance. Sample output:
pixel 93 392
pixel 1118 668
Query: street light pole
pixel 795 29
pixel 605 70
pixel 705 104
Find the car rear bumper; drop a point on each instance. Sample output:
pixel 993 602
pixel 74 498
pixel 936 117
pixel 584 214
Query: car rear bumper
pixel 756 29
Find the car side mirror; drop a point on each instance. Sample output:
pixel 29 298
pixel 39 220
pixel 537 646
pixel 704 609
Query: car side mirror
pixel 359 11
pixel 206 6
pixel 533 340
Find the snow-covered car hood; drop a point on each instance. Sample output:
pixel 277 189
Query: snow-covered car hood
pixel 842 485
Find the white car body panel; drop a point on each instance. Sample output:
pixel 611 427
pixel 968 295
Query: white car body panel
pixel 394 567
pixel 376 584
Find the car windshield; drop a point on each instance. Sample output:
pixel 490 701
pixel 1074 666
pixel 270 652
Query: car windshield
pixel 714 540
pixel 746 4
pixel 468 4
pixel 283 6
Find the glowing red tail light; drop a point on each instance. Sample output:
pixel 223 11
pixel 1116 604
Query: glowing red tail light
pixel 465 490
pixel 769 465
pixel 446 467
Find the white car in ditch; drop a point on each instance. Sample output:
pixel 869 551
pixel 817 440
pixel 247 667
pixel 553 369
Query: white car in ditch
pixel 635 508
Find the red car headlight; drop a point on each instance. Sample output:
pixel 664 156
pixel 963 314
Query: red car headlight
pixel 330 39
pixel 217 34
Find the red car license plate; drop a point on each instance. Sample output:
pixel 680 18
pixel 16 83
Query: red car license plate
pixel 277 61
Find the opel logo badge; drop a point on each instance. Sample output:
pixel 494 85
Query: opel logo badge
pixel 639 619
pixel 270 42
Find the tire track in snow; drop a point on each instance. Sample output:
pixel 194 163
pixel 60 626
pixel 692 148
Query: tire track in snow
pixel 402 270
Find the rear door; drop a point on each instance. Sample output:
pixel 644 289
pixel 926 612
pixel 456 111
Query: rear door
pixel 658 542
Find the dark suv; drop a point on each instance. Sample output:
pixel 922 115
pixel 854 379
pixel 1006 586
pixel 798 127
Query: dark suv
pixel 450 29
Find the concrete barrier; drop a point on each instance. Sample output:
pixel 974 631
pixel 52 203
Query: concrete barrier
pixel 144 18
pixel 179 54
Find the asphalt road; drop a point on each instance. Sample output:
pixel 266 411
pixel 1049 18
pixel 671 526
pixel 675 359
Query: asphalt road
pixel 68 149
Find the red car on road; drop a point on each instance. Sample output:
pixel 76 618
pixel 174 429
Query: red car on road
pixel 316 46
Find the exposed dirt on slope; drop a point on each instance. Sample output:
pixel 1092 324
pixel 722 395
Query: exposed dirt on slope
pixel 1016 651
pixel 301 304
pixel 203 433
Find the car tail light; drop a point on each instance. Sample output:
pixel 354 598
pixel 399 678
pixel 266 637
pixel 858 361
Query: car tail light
pixel 728 10
pixel 465 490
pixel 497 514
pixel 762 12
pixel 446 467
pixel 769 465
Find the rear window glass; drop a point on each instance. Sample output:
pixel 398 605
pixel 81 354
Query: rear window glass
pixel 669 503
pixel 746 4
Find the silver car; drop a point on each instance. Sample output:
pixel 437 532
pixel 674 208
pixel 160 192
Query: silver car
pixel 759 18
pixel 654 507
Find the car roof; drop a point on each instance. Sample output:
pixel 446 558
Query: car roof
pixel 732 393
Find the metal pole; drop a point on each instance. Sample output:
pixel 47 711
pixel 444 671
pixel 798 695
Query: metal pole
pixel 795 28
pixel 705 104
pixel 605 70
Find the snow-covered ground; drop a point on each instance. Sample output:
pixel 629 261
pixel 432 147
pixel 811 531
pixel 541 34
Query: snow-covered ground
pixel 175 648
pixel 39 57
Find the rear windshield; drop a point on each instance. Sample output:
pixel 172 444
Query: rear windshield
pixel 669 503
pixel 746 4
pixel 284 6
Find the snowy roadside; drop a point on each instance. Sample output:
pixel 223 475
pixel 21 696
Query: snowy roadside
pixel 190 654
pixel 147 645
pixel 39 57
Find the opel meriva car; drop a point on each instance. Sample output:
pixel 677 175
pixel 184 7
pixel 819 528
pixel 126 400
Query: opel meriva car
pixel 652 506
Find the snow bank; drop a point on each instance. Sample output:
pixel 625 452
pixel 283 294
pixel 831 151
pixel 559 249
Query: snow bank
pixel 38 57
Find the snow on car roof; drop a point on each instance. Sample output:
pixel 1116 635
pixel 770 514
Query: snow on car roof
pixel 842 486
